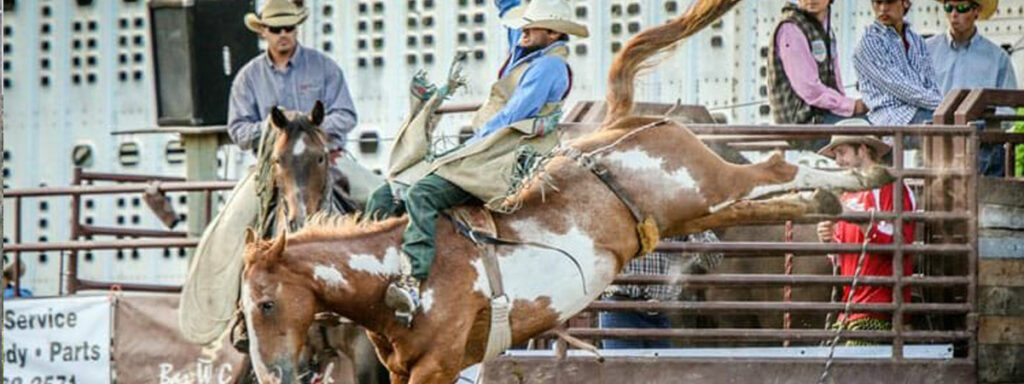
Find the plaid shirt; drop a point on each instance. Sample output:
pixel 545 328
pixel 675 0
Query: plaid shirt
pixel 894 80
pixel 658 263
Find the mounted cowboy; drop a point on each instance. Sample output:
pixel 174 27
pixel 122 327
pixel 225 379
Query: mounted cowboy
pixel 289 77
pixel 518 118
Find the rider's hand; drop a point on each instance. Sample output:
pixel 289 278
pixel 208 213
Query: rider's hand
pixel 825 231
pixel 859 108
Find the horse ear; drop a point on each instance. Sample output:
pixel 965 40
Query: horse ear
pixel 277 248
pixel 317 115
pixel 250 236
pixel 278 118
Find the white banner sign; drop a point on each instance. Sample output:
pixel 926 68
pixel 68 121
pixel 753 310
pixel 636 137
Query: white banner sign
pixel 57 341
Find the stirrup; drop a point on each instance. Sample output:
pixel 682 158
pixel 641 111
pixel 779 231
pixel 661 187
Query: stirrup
pixel 404 297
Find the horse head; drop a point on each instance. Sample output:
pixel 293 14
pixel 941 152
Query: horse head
pixel 300 164
pixel 336 265
pixel 279 306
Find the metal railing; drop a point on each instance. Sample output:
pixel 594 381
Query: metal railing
pixel 70 283
pixel 897 308
pixel 951 169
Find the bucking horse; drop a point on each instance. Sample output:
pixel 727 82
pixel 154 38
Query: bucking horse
pixel 596 203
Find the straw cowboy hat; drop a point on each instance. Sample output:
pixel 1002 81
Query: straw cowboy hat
pixel 881 148
pixel 555 15
pixel 985 7
pixel 276 13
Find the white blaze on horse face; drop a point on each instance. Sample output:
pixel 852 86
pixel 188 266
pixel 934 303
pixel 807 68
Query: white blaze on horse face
pixel 300 145
pixel 530 273
pixel 248 307
pixel 329 275
pixel 639 162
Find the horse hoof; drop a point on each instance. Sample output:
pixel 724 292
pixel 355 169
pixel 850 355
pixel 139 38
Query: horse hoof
pixel 876 177
pixel 825 202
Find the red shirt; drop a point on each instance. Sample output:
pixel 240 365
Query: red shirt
pixel 881 233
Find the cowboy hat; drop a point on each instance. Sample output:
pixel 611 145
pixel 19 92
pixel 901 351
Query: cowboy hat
pixel 276 13
pixel 985 7
pixel 555 15
pixel 881 148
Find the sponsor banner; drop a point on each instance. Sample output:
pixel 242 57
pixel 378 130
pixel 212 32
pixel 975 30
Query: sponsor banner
pixel 57 341
pixel 148 348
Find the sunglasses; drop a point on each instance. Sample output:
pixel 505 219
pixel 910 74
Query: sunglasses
pixel 278 30
pixel 960 8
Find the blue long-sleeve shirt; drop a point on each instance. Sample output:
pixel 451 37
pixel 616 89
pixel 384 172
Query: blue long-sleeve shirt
pixel 895 81
pixel 308 77
pixel 978 63
pixel 545 81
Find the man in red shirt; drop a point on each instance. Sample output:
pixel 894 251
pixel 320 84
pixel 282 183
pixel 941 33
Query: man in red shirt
pixel 863 152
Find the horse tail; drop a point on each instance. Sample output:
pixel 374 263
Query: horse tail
pixel 635 57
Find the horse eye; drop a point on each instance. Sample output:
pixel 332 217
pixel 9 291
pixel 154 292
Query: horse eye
pixel 266 307
pixel 276 160
pixel 322 159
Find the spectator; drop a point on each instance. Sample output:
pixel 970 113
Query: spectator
pixel 894 70
pixel 656 263
pixel 860 153
pixel 9 279
pixel 804 83
pixel 963 58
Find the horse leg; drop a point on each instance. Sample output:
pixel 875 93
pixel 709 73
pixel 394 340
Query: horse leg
pixel 777 209
pixel 434 368
pixel 398 379
pixel 806 178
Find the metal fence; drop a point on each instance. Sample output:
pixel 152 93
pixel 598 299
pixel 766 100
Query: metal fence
pixel 954 167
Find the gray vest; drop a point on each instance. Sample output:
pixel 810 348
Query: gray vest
pixel 787 106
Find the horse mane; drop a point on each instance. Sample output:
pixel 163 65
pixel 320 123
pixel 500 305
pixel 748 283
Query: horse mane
pixel 636 56
pixel 327 225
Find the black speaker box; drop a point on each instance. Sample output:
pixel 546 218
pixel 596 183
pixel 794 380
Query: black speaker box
pixel 198 47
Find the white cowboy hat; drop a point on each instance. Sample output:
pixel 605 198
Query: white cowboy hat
pixel 555 15
pixel 276 13
pixel 985 7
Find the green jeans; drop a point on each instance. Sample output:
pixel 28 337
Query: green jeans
pixel 424 200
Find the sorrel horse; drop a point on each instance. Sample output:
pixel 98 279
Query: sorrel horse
pixel 341 265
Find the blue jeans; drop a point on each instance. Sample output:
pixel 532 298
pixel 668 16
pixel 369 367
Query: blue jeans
pixel 922 116
pixel 632 320
pixel 992 160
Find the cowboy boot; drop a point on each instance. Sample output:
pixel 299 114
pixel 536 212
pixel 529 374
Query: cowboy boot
pixel 403 296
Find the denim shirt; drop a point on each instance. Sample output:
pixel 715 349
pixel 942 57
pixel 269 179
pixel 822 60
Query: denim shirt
pixel 979 63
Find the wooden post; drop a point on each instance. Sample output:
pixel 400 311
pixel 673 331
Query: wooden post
pixel 201 165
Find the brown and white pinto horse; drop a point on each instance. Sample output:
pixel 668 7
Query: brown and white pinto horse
pixel 339 265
